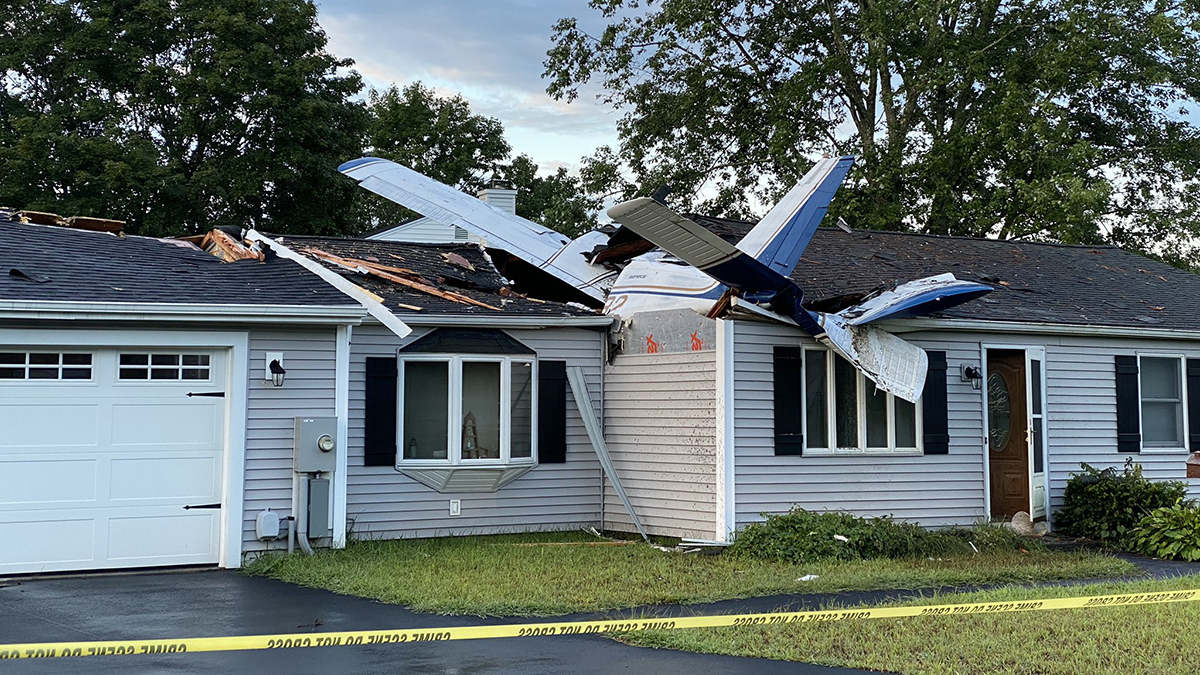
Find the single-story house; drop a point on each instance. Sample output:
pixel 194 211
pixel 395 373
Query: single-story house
pixel 1081 354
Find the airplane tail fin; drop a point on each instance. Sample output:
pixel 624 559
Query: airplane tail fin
pixel 779 239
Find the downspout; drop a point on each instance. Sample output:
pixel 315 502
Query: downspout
pixel 302 517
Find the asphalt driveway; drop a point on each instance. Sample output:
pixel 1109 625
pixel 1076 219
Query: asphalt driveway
pixel 217 603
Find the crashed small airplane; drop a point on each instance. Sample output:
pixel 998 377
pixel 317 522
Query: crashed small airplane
pixel 698 270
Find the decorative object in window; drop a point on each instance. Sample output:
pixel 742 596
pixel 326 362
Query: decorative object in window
pixel 45 366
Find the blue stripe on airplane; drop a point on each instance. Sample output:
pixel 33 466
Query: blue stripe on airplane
pixel 784 251
pixel 714 294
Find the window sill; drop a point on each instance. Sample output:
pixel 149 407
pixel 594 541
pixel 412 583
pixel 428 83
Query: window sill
pixel 473 478
pixel 1165 451
pixel 856 452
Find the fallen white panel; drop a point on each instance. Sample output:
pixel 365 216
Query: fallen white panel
pixel 896 366
pixel 583 403
pixel 373 306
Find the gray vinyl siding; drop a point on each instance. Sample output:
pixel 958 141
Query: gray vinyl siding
pixel 934 489
pixel 939 489
pixel 309 356
pixel 660 412
pixel 385 504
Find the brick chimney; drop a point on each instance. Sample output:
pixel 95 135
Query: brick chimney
pixel 500 195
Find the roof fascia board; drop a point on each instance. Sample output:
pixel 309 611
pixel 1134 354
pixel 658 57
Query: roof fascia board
pixel 367 300
pixel 599 321
pixel 983 326
pixel 53 309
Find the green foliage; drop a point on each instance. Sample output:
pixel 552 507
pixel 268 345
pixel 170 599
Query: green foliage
pixel 1049 119
pixel 1108 504
pixel 1170 532
pixel 557 201
pixel 801 536
pixel 177 115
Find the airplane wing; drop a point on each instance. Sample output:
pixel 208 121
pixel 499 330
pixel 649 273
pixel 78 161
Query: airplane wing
pixel 914 298
pixel 522 238
pixel 696 246
pixel 779 239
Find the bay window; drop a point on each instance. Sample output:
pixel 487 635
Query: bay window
pixel 467 410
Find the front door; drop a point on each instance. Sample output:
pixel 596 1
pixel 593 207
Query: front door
pixel 1008 452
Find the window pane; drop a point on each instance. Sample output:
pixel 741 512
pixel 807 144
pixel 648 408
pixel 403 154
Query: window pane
pixel 77 359
pixel 877 422
pixel 164 374
pixel 906 423
pixel 135 359
pixel 133 374
pixel 1162 424
pixel 1035 383
pixel 12 373
pixel 12 358
pixel 195 359
pixel 1160 378
pixel 426 409
pixel 43 359
pixel 43 373
pixel 195 373
pixel 521 442
pixel 480 410
pixel 815 392
pixel 77 373
pixel 845 382
pixel 164 360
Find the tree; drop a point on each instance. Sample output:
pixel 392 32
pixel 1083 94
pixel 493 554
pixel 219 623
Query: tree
pixel 1064 120
pixel 442 138
pixel 177 115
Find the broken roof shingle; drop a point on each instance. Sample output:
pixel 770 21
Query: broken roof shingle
pixel 1035 282
pixel 462 269
pixel 85 266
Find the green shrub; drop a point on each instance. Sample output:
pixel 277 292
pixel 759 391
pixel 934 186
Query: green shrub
pixel 801 536
pixel 1170 532
pixel 1107 504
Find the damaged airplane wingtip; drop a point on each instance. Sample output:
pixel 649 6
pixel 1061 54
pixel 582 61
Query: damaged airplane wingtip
pixel 359 163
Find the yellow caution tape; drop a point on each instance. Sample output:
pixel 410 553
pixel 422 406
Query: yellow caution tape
pixel 384 637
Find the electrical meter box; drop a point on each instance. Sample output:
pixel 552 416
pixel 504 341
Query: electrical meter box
pixel 316 444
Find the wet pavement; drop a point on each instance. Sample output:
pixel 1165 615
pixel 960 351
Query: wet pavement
pixel 216 603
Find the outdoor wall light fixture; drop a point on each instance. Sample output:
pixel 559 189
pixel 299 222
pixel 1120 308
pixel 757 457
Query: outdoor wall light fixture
pixel 274 371
pixel 971 374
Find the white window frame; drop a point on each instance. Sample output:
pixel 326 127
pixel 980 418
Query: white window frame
pixel 454 406
pixel 59 380
pixel 831 417
pixel 1183 398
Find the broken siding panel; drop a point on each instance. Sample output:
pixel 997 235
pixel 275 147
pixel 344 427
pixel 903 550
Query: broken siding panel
pixel 660 412
pixel 383 503
pixel 309 356
pixel 932 489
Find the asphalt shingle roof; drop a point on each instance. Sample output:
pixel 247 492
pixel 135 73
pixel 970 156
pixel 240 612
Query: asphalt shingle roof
pixel 483 283
pixel 85 266
pixel 1035 282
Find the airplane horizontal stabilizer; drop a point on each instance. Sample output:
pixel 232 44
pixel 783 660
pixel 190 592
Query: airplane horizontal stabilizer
pixel 696 246
pixel 896 366
pixel 914 298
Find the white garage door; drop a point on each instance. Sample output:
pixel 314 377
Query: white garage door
pixel 102 452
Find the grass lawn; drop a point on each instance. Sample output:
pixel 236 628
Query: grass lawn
pixel 505 575
pixel 1159 639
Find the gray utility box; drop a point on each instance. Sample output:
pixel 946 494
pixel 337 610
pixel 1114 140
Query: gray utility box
pixel 316 444
pixel 318 507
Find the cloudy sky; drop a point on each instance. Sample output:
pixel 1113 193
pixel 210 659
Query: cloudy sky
pixel 490 51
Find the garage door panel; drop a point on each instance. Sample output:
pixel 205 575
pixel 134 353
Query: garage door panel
pixel 39 424
pixel 33 544
pixel 96 474
pixel 165 423
pixel 31 482
pixel 176 479
pixel 165 539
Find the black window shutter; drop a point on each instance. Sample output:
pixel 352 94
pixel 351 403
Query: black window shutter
pixel 789 401
pixel 1129 426
pixel 934 408
pixel 379 442
pixel 552 412
pixel 1193 404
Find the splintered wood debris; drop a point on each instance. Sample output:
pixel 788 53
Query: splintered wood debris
pixel 458 261
pixel 395 275
pixel 224 246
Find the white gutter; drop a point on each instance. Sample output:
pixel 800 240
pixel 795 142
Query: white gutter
pixel 150 311
pixel 522 321
pixel 366 299
pixel 982 326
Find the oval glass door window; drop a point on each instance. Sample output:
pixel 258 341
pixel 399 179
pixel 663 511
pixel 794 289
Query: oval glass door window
pixel 999 412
